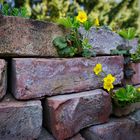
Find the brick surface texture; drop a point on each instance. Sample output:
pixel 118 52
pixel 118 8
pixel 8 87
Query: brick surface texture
pixel 20 120
pixel 116 129
pixel 65 115
pixel 34 78
pixel 3 78
pixel 27 37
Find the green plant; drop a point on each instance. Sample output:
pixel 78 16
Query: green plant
pixel 73 44
pixel 8 11
pixel 125 96
pixel 136 56
pixel 64 46
pixel 119 52
pixel 129 33
pixel 122 96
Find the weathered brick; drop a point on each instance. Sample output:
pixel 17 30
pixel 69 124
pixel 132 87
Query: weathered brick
pixel 103 40
pixel 34 78
pixel 27 37
pixel 123 111
pixel 116 129
pixel 77 137
pixel 20 120
pixel 3 78
pixel 45 135
pixel 65 115
pixel 135 79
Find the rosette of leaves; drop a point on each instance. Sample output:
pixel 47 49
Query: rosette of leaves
pixel 129 33
pixel 65 47
pixel 72 44
pixel 126 96
pixel 121 50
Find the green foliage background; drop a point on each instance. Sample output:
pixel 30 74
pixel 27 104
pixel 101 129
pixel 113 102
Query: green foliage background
pixel 122 14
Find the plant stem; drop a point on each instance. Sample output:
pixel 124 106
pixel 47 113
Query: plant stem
pixel 78 45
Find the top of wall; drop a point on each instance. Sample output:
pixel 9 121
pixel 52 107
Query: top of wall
pixel 20 37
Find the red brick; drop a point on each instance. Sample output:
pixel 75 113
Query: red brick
pixel 3 78
pixel 103 41
pixel 34 77
pixel 135 79
pixel 65 115
pixel 45 135
pixel 116 129
pixel 27 37
pixel 20 120
pixel 77 137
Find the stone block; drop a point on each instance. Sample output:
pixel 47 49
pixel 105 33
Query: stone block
pixel 33 78
pixel 45 135
pixel 20 120
pixel 116 129
pixel 77 137
pixel 104 40
pixel 27 37
pixel 66 115
pixel 135 79
pixel 3 78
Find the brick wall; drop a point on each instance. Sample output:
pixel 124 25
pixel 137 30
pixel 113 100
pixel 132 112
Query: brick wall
pixel 43 97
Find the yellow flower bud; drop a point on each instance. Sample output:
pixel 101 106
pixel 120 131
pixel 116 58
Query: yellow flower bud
pixel 97 22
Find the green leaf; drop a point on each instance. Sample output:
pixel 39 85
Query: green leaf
pixel 23 12
pixel 127 95
pixel 85 44
pixel 87 25
pixel 67 22
pixel 118 52
pixel 128 33
pixel 5 9
pixel 121 95
pixel 85 41
pixel 130 89
pixel 70 37
pixel 86 53
pixel 131 33
pixel 67 52
pixel 15 12
pixel 64 50
pixel 123 33
pixel 60 42
pixel 8 11
pixel 76 24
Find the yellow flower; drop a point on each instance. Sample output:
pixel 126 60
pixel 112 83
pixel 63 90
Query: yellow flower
pixel 97 69
pixel 138 89
pixel 108 86
pixel 82 16
pixel 97 22
pixel 109 79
